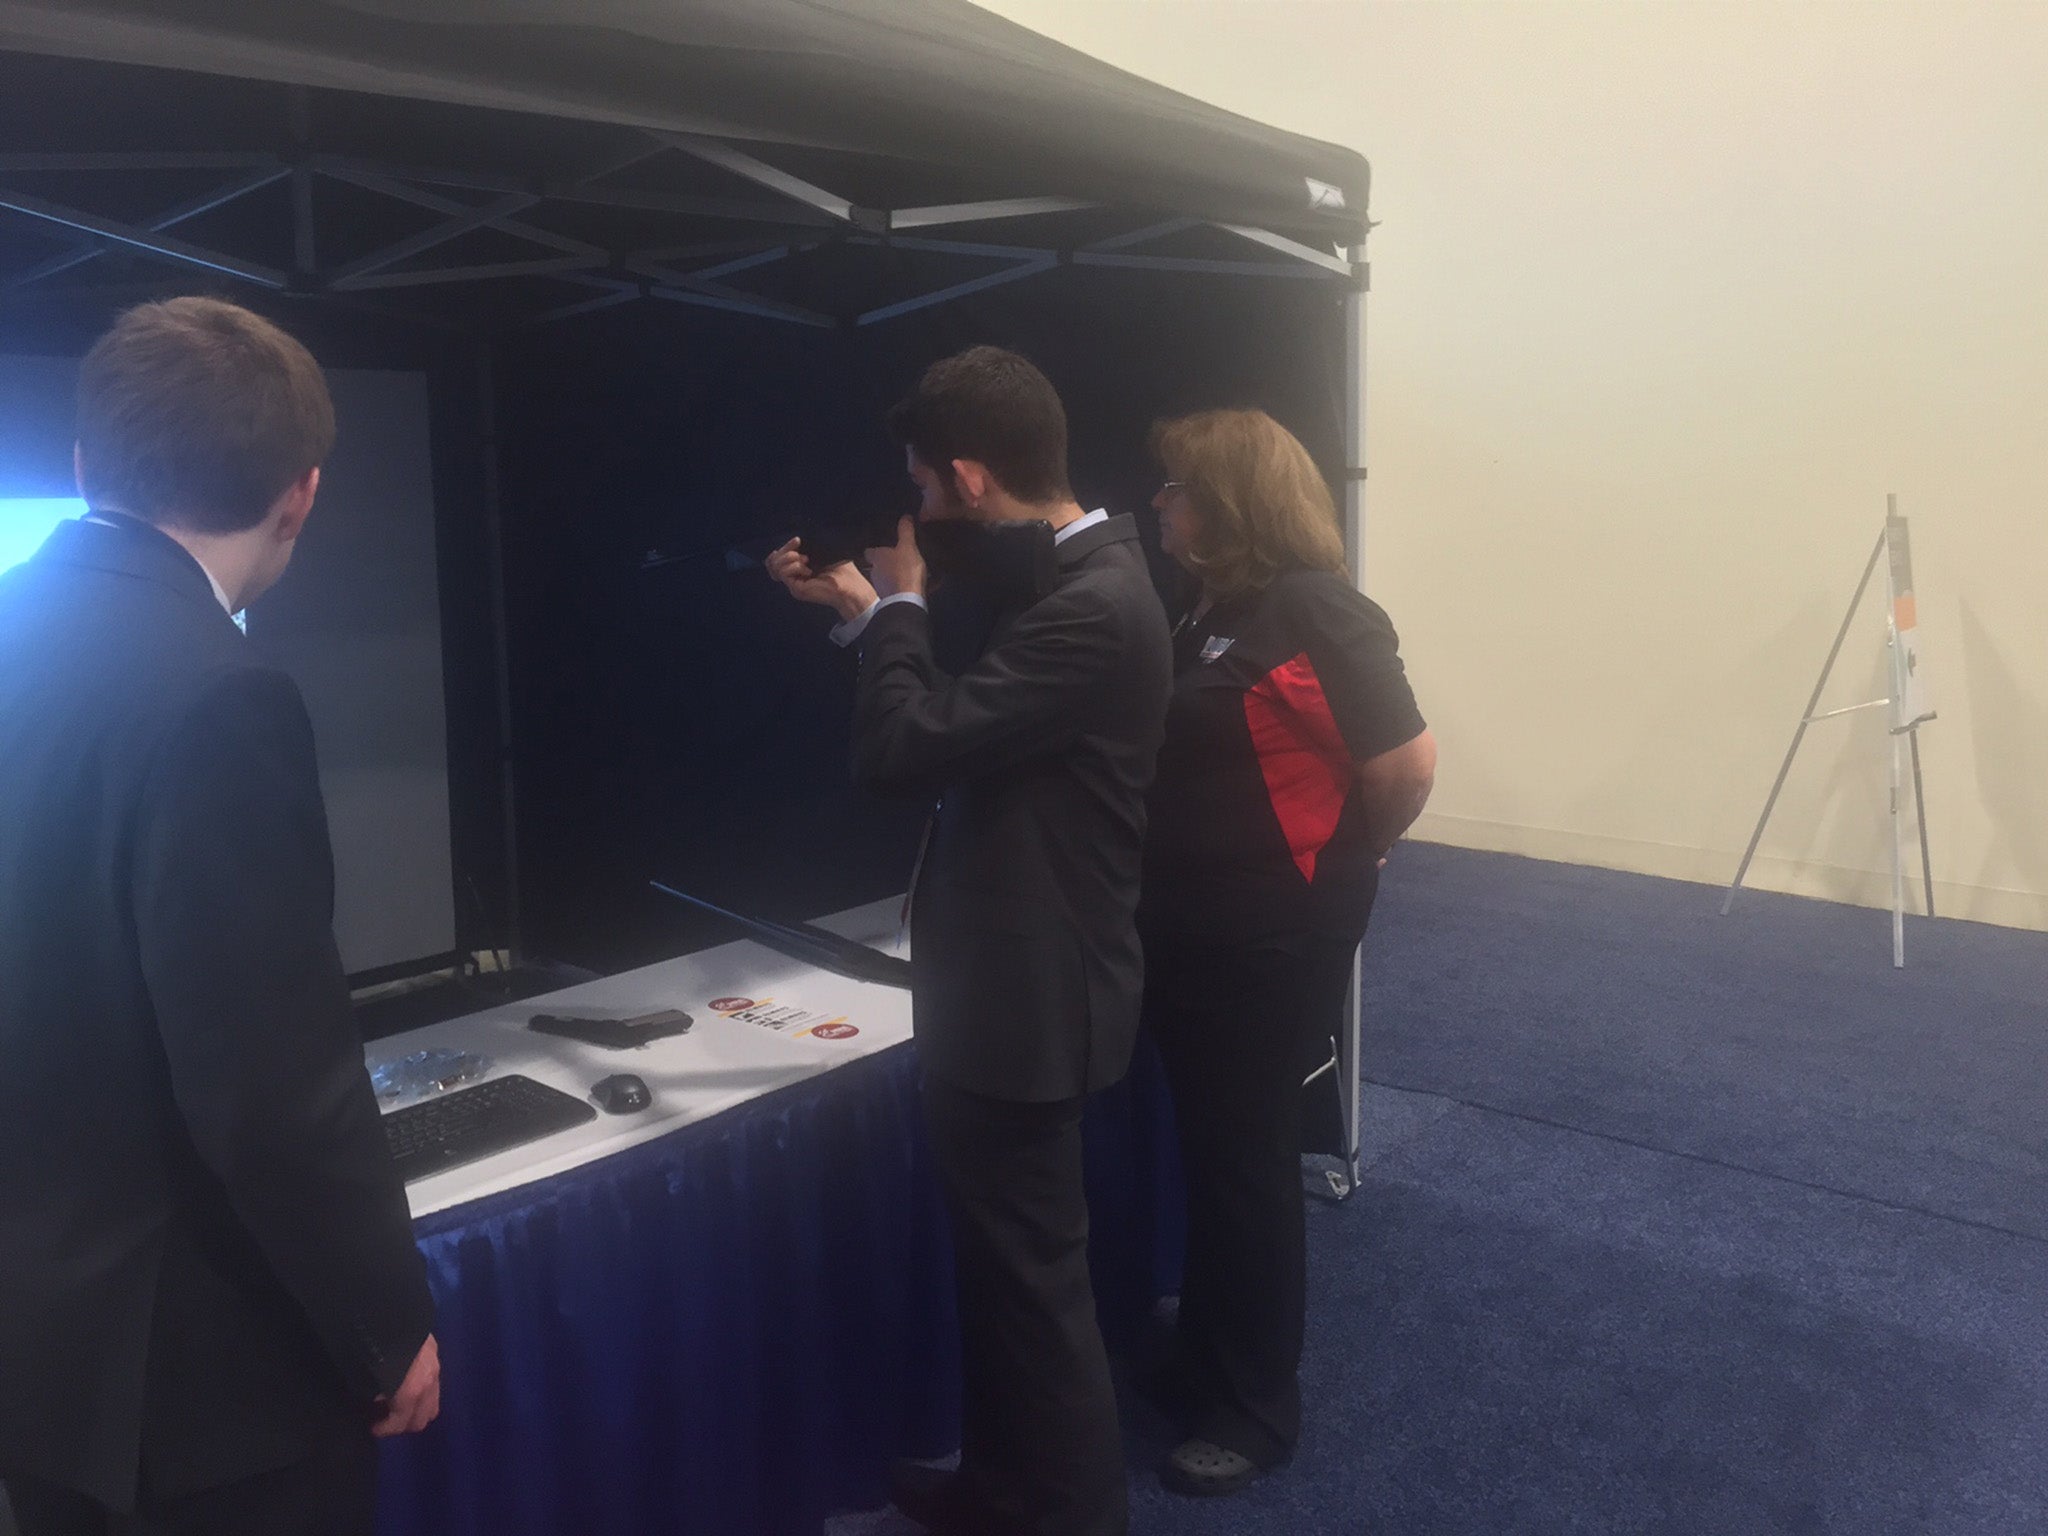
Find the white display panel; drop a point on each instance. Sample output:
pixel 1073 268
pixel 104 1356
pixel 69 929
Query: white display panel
pixel 356 622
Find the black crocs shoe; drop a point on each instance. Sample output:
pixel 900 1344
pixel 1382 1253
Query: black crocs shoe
pixel 1203 1470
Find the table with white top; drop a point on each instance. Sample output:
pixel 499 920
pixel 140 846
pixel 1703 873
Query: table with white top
pixel 727 1312
pixel 721 1064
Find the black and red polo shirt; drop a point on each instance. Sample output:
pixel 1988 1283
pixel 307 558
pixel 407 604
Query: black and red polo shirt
pixel 1256 824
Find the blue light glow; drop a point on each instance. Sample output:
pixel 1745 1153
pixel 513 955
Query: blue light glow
pixel 25 521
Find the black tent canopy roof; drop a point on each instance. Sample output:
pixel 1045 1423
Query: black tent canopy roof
pixel 927 82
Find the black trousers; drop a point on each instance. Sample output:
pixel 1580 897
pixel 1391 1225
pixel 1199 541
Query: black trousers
pixel 1041 1451
pixel 1238 1029
pixel 331 1494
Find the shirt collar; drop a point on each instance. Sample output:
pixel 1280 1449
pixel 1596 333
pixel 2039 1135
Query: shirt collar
pixel 1099 515
pixel 220 594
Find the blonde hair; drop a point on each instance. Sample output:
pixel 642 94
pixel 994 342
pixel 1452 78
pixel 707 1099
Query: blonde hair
pixel 1264 505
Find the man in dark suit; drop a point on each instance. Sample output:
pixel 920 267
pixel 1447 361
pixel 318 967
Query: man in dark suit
pixel 210 1299
pixel 1027 970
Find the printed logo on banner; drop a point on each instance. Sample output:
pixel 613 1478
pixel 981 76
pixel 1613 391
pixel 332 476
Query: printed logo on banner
pixel 785 1018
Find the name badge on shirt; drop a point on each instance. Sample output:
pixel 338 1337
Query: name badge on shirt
pixel 1215 646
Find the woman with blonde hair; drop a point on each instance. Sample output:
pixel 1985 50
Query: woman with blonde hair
pixel 1294 758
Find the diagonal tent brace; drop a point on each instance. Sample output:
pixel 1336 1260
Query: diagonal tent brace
pixel 1286 247
pixel 977 213
pixel 370 180
pixel 304 258
pixel 254 181
pixel 1196 264
pixel 641 199
pixel 617 292
pixel 1145 235
pixel 702 288
pixel 733 301
pixel 1024 261
pixel 462 219
pixel 148 241
pixel 739 163
pixel 140 160
pixel 694 249
pixel 745 263
pixel 698 287
pixel 492 215
pixel 1023 269
pixel 427 277
pixel 963 248
pixel 1116 252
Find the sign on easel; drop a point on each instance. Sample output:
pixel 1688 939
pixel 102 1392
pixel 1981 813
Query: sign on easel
pixel 1910 704
pixel 1908 709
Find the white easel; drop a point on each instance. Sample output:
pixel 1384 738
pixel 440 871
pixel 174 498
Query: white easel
pixel 1907 702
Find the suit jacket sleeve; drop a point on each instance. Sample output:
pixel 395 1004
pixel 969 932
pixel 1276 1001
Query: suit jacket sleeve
pixel 915 728
pixel 233 902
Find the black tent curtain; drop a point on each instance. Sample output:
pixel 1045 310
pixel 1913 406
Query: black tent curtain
pixel 634 746
pixel 931 81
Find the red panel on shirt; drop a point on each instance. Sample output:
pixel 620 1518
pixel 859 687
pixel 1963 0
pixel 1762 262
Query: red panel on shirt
pixel 1302 756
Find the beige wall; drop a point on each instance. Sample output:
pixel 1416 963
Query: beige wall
pixel 1666 299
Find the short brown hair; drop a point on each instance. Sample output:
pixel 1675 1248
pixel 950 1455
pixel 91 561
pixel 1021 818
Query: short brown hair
pixel 1263 505
pixel 196 414
pixel 995 408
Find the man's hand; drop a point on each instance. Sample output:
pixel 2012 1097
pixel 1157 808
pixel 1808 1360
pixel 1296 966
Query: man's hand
pixel 840 587
pixel 417 1403
pixel 899 567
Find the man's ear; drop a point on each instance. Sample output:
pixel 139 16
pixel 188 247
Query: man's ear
pixel 296 504
pixel 971 480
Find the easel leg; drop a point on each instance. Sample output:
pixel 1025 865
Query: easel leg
pixel 1920 816
pixel 1805 719
pixel 1898 863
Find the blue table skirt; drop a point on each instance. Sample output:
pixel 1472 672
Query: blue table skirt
pixel 731 1331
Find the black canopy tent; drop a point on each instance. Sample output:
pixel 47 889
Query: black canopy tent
pixel 483 169
pixel 931 82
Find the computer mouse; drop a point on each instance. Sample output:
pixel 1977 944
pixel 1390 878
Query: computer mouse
pixel 621 1094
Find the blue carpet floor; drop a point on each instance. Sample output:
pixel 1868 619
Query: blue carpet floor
pixel 1673 1223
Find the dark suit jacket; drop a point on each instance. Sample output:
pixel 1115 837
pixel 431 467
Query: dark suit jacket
pixel 206 1261
pixel 1026 967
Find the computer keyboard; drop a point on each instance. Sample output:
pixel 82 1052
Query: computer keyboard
pixel 470 1123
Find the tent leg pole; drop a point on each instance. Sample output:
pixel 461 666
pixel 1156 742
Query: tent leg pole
pixel 501 647
pixel 1351 1068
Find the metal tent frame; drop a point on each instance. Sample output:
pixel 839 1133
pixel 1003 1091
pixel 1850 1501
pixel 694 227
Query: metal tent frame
pixel 704 242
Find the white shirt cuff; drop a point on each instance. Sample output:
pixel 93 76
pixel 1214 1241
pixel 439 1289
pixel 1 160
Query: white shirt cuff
pixel 853 628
